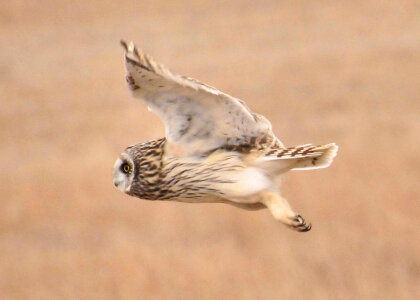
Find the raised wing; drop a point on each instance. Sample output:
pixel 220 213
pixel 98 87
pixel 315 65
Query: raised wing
pixel 197 117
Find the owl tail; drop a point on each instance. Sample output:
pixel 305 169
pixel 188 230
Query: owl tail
pixel 305 157
pixel 321 157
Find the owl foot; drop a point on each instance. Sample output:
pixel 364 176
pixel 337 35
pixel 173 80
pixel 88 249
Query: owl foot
pixel 282 212
pixel 298 223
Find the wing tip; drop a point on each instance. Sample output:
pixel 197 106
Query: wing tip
pixel 130 49
pixel 124 45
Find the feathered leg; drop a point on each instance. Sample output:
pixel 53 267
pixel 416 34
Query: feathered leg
pixel 282 212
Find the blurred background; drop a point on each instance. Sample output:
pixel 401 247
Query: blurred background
pixel 324 71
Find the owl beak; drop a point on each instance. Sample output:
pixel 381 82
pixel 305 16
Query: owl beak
pixel 119 184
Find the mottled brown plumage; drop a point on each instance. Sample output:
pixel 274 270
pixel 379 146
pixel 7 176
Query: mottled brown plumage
pixel 215 150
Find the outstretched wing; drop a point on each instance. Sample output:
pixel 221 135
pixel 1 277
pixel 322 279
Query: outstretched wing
pixel 197 117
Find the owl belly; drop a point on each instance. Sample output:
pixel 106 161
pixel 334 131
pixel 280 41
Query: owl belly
pixel 245 184
pixel 220 177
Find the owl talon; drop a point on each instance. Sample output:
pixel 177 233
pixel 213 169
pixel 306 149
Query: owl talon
pixel 299 224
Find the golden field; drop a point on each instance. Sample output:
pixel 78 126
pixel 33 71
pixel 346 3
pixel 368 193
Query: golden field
pixel 324 71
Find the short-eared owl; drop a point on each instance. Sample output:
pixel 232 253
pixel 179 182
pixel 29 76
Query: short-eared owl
pixel 215 149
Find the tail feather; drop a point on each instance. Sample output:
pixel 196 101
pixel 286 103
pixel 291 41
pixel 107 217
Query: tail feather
pixel 305 157
pixel 323 158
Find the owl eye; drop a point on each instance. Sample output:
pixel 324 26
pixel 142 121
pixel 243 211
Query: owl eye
pixel 125 168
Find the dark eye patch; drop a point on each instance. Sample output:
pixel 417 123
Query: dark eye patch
pixel 126 168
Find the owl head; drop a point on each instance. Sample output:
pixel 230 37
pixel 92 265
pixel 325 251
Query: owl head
pixel 137 170
pixel 124 171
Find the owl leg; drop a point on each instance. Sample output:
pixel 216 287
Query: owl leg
pixel 282 212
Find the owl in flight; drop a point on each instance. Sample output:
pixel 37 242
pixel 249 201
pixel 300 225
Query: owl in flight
pixel 215 149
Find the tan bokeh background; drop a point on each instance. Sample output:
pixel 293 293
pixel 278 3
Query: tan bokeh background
pixel 321 71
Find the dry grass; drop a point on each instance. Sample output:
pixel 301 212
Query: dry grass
pixel 343 71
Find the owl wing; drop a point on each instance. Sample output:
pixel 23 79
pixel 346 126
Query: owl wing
pixel 197 117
